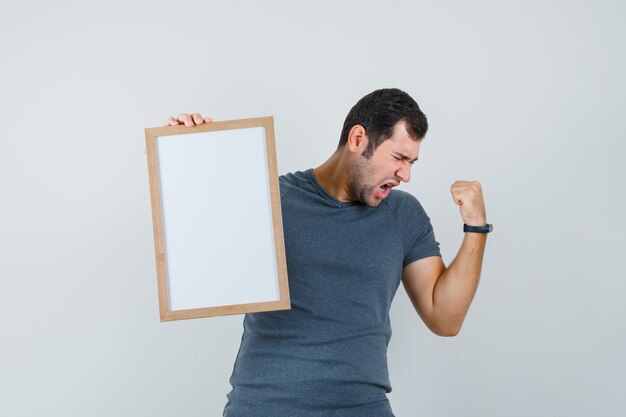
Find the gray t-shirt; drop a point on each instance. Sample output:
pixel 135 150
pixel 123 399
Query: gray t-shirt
pixel 327 356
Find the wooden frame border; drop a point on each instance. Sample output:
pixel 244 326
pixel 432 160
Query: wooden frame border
pixel 157 216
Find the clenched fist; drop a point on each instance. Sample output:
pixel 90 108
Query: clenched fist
pixel 469 196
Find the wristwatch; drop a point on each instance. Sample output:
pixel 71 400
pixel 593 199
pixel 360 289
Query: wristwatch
pixel 478 229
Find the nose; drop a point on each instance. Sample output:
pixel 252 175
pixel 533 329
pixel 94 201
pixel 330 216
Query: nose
pixel 404 172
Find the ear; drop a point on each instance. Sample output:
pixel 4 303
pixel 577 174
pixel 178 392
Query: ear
pixel 357 139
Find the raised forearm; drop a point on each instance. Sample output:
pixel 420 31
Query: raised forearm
pixel 455 288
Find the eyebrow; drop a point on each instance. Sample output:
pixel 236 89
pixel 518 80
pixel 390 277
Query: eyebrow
pixel 406 158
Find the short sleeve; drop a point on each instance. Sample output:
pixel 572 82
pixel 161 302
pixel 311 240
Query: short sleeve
pixel 419 236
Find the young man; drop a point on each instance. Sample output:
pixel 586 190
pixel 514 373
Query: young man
pixel 350 239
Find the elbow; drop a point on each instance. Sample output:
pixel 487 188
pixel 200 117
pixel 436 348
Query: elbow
pixel 449 330
pixel 445 324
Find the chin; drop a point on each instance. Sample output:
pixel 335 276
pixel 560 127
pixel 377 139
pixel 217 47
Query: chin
pixel 367 196
pixel 371 201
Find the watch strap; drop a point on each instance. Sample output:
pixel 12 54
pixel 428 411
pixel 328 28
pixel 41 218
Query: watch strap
pixel 478 229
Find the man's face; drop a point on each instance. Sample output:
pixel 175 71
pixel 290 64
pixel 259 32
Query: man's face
pixel 372 179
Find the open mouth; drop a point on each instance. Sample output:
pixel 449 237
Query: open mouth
pixel 385 189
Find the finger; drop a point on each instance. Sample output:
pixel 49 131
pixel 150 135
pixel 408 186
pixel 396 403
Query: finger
pixel 170 121
pixel 462 193
pixel 208 120
pixel 468 189
pixel 457 195
pixel 459 186
pixel 466 184
pixel 186 119
pixel 197 118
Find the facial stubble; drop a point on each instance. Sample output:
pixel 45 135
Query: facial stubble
pixel 358 187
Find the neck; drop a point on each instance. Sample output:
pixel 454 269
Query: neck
pixel 333 176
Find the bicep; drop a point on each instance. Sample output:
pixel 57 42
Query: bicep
pixel 419 279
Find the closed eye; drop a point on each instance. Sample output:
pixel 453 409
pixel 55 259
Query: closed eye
pixel 405 158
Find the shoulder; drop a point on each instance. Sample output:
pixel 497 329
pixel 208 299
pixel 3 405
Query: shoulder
pixel 406 208
pixel 415 226
pixel 400 201
pixel 292 180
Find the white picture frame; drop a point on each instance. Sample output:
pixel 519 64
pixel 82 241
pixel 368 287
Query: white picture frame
pixel 217 219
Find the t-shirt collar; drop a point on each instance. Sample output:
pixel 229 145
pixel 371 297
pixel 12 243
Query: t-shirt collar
pixel 331 199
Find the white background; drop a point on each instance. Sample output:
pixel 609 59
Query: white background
pixel 526 96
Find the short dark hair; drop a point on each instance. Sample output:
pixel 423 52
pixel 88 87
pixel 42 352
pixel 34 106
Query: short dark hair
pixel 378 112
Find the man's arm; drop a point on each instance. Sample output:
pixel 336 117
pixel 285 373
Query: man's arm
pixel 440 295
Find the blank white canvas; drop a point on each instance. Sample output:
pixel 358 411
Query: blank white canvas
pixel 219 238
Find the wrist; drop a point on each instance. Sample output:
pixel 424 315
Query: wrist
pixel 481 221
pixel 484 229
